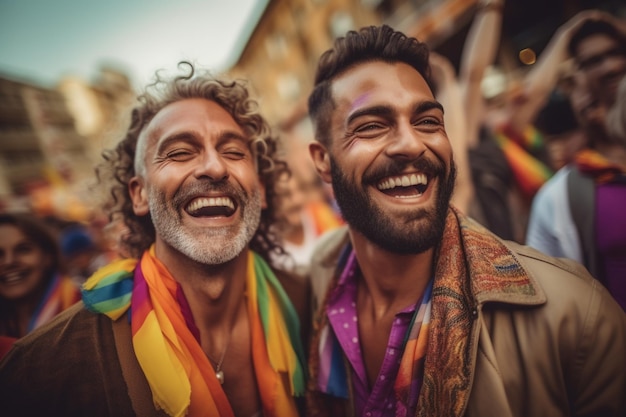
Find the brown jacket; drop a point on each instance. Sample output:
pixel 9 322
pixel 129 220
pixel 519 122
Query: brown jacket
pixel 527 335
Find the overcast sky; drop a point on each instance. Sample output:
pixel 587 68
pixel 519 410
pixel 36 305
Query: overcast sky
pixel 43 40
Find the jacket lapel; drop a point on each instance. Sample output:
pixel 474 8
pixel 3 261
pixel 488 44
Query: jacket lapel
pixel 458 293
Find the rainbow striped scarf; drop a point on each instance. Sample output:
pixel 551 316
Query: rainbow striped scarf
pixel 594 164
pixel 529 172
pixel 61 294
pixel 178 371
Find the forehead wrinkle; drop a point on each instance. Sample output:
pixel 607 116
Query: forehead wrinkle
pixel 230 134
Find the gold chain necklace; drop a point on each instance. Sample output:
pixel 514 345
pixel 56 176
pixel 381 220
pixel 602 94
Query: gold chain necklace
pixel 219 373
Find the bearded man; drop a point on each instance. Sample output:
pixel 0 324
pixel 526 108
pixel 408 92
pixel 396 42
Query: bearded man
pixel 195 322
pixel 420 310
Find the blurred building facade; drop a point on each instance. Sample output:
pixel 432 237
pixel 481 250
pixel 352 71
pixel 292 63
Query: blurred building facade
pixel 280 57
pixel 51 138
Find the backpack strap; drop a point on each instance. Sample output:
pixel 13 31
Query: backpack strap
pixel 581 191
pixel 138 388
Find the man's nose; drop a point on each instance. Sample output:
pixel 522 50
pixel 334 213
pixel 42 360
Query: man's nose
pixel 211 165
pixel 406 142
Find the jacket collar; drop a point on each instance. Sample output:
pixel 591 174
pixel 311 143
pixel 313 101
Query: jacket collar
pixel 494 270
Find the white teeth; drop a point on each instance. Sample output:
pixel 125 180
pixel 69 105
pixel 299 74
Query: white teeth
pixel 12 277
pixel 403 181
pixel 199 203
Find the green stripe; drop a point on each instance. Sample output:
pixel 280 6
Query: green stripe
pixel 265 276
pixel 113 278
pixel 111 304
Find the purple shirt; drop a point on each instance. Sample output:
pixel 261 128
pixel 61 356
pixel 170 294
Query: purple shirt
pixel 611 238
pixel 342 317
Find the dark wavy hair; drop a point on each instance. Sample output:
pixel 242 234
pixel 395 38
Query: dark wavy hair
pixel 372 43
pixel 232 95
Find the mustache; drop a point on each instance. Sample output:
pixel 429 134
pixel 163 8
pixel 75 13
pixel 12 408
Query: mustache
pixel 395 167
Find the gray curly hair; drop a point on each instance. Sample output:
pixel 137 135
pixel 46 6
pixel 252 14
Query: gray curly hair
pixel 120 163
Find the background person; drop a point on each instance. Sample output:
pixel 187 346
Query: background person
pixel 588 225
pixel 562 133
pixel 303 217
pixel 33 289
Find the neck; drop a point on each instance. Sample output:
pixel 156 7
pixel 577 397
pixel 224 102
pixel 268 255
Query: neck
pixel 391 281
pixel 212 291
pixel 217 300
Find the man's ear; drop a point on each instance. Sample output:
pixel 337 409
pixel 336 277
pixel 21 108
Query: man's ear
pixel 321 160
pixel 139 196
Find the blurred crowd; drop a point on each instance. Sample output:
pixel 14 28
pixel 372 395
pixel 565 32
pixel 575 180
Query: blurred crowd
pixel 43 262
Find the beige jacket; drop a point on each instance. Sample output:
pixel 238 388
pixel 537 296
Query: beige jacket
pixel 538 336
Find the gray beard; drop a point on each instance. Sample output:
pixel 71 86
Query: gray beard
pixel 208 246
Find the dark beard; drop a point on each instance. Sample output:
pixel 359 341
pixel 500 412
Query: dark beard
pixel 401 235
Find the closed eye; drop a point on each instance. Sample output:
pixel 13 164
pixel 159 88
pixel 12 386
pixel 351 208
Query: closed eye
pixel 234 154
pixel 429 121
pixel 428 124
pixel 179 155
pixel 370 130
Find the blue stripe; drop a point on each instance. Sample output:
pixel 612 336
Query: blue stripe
pixel 108 292
pixel 338 380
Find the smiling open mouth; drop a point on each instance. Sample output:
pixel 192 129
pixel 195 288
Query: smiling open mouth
pixel 411 185
pixel 12 277
pixel 211 207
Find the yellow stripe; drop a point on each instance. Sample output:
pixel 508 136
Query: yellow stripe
pixel 122 265
pixel 163 369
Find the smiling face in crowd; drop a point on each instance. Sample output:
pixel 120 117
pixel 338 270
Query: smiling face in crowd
pixel 389 160
pixel 201 185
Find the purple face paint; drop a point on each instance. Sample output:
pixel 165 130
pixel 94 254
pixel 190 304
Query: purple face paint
pixel 359 101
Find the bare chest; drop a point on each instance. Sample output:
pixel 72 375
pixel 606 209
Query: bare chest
pixel 374 336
